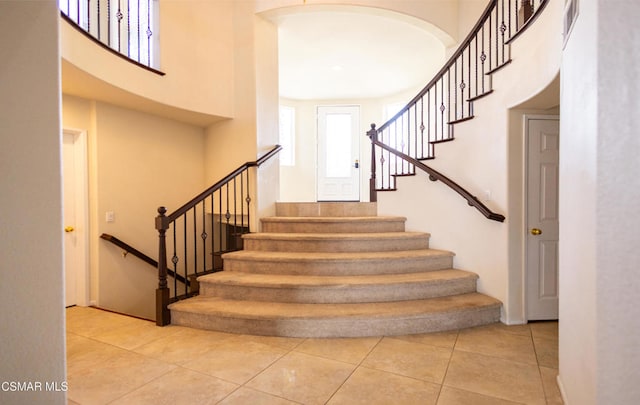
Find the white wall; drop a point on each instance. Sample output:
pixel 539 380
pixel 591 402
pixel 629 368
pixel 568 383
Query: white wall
pixel 600 190
pixel 578 229
pixel 196 51
pixel 253 131
pixel 31 244
pixel 137 162
pixel 440 17
pixel 480 160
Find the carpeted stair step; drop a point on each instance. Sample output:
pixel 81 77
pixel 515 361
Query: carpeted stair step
pixel 336 242
pixel 326 209
pixel 332 224
pixel 336 320
pixel 337 264
pixel 337 289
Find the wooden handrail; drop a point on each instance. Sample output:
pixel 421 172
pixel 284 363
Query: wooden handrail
pixel 130 249
pixel 435 175
pixel 447 66
pixel 195 200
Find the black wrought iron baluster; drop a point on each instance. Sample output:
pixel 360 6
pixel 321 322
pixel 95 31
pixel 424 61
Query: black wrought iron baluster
pixel 497 38
pixel 78 12
pixel 403 142
pixel 227 217
pixel 490 40
pixel 186 253
pixel 241 201
pixel 432 111
pixel 174 259
pixel 475 65
pixel 128 28
pixel 455 92
pixel 509 18
pixel 98 18
pixel 235 213
pixel 469 104
pixel 248 199
pixel 89 16
pixel 149 32
pixel 213 230
pixel 109 22
pixel 503 29
pixel 204 235
pixel 415 128
pixel 483 58
pixel 422 127
pixel 395 145
pixel 437 107
pixel 462 84
pixel 139 57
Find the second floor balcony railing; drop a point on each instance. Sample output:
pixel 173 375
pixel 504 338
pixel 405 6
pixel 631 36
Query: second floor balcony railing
pixel 127 27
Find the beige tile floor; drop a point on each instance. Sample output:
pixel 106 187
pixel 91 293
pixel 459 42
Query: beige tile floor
pixel 115 359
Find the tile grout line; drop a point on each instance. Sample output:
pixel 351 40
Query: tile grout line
pixel 446 371
pixel 355 369
pixel 244 385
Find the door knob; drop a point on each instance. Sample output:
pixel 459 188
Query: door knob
pixel 357 164
pixel 69 229
pixel 536 231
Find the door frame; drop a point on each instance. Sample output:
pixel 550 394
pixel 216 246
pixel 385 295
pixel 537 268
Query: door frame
pixel 82 212
pixel 359 152
pixel 525 218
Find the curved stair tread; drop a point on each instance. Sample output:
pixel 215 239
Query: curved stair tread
pixel 334 256
pixel 337 320
pixel 335 236
pixel 334 219
pixel 315 281
pixel 213 306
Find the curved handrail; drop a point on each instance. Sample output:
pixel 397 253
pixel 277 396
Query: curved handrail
pixel 447 65
pixel 435 175
pixel 195 200
pixel 409 137
pixel 461 49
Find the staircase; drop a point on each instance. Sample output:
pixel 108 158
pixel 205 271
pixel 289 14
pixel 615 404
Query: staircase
pixel 336 270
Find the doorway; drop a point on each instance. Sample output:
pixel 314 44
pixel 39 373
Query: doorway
pixel 75 217
pixel 542 140
pixel 338 153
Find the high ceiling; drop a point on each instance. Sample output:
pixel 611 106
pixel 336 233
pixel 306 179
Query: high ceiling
pixel 346 54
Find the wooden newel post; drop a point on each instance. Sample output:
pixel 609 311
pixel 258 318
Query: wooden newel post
pixel 163 316
pixel 373 135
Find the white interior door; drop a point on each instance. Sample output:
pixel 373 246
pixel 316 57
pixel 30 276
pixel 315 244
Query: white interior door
pixel 543 141
pixel 338 153
pixel 75 217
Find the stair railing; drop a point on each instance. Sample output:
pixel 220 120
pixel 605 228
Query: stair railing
pixel 200 232
pixel 127 248
pixel 448 99
pixel 127 28
pixel 435 175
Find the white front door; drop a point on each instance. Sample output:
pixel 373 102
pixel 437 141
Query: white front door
pixel 339 153
pixel 543 141
pixel 74 217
